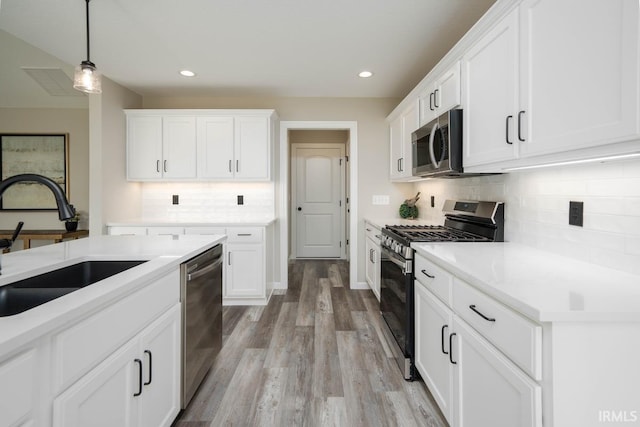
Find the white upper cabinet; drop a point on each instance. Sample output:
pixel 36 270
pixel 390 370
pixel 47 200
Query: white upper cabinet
pixel 215 147
pixel 442 96
pixel 211 145
pixel 490 68
pixel 578 73
pixel 548 84
pixel 400 131
pixel 178 147
pixel 251 153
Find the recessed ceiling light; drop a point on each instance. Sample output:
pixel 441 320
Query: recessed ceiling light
pixel 187 73
pixel 365 74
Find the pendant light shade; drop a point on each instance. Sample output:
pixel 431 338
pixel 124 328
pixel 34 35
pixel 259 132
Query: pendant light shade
pixel 87 78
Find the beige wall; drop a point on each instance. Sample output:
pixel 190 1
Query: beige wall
pixel 75 122
pixel 113 198
pixel 373 141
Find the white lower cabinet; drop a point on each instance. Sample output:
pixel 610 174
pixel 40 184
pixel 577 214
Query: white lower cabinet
pixel 18 385
pixel 489 389
pixel 434 322
pixel 138 385
pixel 464 363
pixel 372 253
pixel 244 271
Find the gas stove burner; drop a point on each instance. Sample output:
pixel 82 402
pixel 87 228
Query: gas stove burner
pixel 434 233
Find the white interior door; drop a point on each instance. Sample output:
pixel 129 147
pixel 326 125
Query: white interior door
pixel 318 200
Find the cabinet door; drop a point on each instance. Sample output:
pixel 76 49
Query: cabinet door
pixel 252 151
pixel 579 76
pixel 447 93
pixel 104 397
pixel 160 353
pixel 409 125
pixel 428 110
pixel 396 148
pixel 215 147
pixel 19 382
pixel 144 147
pixel 179 147
pixel 370 266
pixel 245 276
pixel 491 98
pixel 434 323
pixel 490 390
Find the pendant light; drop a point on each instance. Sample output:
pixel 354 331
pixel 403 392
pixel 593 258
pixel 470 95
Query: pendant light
pixel 87 78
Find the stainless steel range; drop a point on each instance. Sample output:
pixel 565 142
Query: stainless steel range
pixel 465 221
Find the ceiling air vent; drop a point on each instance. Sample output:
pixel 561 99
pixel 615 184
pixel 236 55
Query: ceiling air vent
pixel 53 80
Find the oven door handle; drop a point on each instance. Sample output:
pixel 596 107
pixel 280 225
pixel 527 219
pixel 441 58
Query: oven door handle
pixel 405 266
pixel 432 137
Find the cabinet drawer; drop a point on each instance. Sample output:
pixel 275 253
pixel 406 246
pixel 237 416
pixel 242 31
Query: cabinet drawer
pixel 244 235
pixel 164 231
pixel 17 391
pixel 372 232
pixel 209 231
pixel 128 231
pixel 434 278
pixel 517 337
pixel 81 347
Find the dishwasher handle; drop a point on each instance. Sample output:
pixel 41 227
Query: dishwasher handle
pixel 205 270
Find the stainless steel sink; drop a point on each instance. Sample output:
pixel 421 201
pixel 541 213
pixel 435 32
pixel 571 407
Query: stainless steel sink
pixel 25 294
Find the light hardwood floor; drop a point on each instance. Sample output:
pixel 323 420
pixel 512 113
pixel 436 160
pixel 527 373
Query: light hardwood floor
pixel 314 356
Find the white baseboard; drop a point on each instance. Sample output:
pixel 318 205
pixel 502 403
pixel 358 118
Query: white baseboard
pixel 277 285
pixel 360 285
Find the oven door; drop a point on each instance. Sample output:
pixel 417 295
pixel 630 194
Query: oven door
pixel 397 307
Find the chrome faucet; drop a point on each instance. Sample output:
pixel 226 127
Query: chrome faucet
pixel 65 210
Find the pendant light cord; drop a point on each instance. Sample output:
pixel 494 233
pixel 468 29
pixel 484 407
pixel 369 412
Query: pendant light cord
pixel 88 57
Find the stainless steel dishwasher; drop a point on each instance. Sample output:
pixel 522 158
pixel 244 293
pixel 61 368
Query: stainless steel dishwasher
pixel 201 299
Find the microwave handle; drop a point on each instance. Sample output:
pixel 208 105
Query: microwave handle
pixel 435 163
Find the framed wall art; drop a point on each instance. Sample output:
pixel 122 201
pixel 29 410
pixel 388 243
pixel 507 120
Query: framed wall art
pixel 42 154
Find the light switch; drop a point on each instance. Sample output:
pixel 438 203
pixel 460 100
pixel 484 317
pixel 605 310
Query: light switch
pixel 381 200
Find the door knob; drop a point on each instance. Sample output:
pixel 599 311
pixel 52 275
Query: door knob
pixel 299 208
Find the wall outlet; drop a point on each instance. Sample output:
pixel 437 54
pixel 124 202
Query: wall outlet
pixel 175 199
pixel 576 213
pixel 241 200
pixel 381 200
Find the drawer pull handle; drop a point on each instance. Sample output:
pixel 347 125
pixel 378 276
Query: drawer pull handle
pixel 377 236
pixel 451 349
pixel 368 229
pixel 428 275
pixel 442 339
pixel 139 362
pixel 244 234
pixel 488 319
pixel 150 366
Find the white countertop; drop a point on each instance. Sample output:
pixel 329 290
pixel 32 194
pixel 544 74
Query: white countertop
pixel 164 254
pixel 217 222
pixel 542 286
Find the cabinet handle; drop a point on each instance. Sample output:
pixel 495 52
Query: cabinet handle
pixel 506 136
pixel 435 98
pixel 237 165
pixel 431 101
pixel 520 126
pixel 373 256
pixel 428 275
pixel 451 349
pixel 244 234
pixel 488 319
pixel 139 362
pixel 368 229
pixel 398 165
pixel 164 165
pixel 377 236
pixel 158 166
pixel 150 366
pixel 401 164
pixel 229 259
pixel 442 339
pixel 230 166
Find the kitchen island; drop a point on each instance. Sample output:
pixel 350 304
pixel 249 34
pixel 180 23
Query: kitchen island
pixel 80 354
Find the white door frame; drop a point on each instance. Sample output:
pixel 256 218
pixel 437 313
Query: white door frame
pixel 352 127
pixel 293 188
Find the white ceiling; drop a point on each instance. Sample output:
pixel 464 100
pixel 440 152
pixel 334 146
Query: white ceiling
pixel 288 48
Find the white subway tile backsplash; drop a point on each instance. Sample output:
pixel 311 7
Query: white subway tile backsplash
pixel 207 201
pixel 537 208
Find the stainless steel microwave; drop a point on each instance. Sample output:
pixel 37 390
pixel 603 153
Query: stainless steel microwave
pixel 437 147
